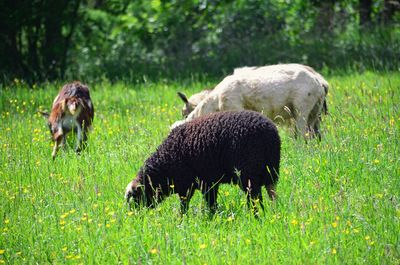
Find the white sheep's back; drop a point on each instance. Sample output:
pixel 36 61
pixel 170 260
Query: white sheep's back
pixel 267 89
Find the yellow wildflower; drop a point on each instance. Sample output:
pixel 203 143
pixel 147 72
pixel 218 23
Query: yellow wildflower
pixel 334 251
pixel 203 246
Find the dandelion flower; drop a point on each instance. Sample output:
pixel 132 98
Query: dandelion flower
pixel 367 238
pixel 2 251
pixel 153 251
pixel 334 251
pixel 203 246
pixel 334 224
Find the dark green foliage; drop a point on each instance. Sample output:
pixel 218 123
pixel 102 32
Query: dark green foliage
pixel 132 40
pixel 36 37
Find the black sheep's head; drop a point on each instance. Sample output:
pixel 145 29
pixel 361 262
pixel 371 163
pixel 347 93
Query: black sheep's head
pixel 135 192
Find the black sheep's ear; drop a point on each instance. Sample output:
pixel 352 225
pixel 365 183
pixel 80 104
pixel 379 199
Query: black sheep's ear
pixel 183 97
pixel 45 114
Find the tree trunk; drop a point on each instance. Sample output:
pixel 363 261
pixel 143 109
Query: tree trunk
pixel 389 9
pixel 364 10
pixel 324 20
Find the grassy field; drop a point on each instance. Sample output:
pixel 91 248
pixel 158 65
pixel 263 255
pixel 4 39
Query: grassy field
pixel 339 200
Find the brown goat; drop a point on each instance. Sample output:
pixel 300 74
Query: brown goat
pixel 72 111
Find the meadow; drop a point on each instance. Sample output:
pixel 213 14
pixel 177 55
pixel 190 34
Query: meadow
pixel 339 199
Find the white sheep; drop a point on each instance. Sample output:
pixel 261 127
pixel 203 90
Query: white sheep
pixel 282 92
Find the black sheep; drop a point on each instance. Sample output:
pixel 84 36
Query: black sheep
pixel 240 147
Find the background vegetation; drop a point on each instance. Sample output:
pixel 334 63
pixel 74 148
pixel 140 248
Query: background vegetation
pixel 339 200
pixel 133 40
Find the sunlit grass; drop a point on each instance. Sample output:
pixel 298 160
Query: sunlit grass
pixel 338 199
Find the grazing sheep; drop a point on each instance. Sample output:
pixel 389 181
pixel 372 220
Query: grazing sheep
pixel 240 147
pixel 282 92
pixel 72 111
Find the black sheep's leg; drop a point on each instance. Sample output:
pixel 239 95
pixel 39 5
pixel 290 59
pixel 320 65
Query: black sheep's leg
pixel 185 199
pixel 210 195
pixel 271 191
pixel 254 195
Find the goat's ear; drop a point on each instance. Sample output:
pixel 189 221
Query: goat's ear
pixel 45 114
pixel 183 97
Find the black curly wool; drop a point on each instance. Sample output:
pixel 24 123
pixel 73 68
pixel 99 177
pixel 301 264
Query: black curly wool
pixel 240 147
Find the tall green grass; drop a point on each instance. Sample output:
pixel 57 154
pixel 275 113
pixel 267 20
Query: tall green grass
pixel 339 200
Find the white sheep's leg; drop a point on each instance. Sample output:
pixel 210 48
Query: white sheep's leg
pixel 314 120
pixel 315 128
pixel 301 126
pixel 302 112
